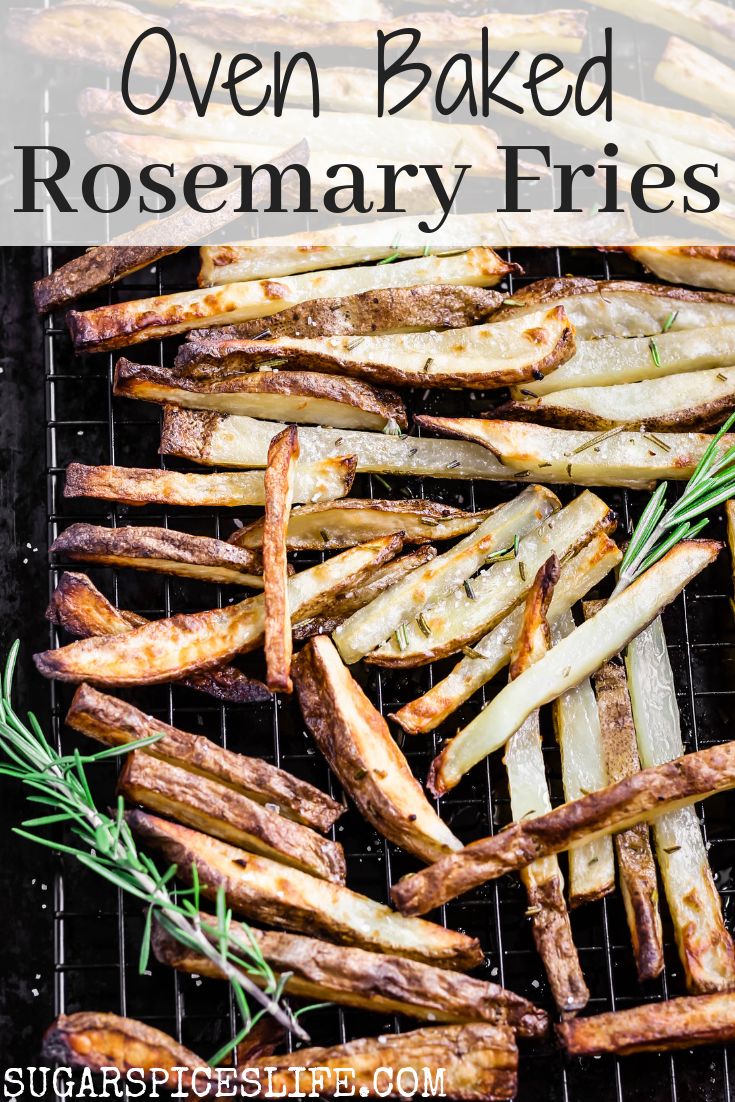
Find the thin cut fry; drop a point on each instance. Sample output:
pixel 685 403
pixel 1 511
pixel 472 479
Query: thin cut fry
pixel 708 22
pixel 689 71
pixel 730 519
pixel 95 268
pixel 282 456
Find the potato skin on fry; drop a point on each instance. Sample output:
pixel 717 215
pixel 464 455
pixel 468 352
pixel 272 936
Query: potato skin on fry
pixel 279 475
pixel 95 268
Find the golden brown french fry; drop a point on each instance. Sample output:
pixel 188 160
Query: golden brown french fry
pixel 175 647
pixel 636 866
pixel 271 893
pixel 114 722
pixel 215 809
pixel 354 738
pixel 730 519
pixel 279 475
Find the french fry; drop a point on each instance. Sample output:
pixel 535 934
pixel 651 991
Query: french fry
pixel 324 480
pixel 730 521
pixel 214 809
pixel 708 22
pixel 529 795
pixel 393 610
pixel 334 526
pixel 464 616
pixel 322 972
pixel 114 722
pixel 689 71
pixel 637 799
pixel 145 319
pixel 694 400
pixel 636 867
pixel 161 550
pixel 282 456
pixel 704 944
pixel 175 647
pixel 355 740
pixel 78 607
pixel 572 659
pixel 578 733
pixel 302 397
pixel 97 267
pixel 698 265
pixel 492 652
pixel 479 357
pixel 618 458
pixel 267 892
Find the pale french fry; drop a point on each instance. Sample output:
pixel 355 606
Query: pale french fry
pixel 572 659
pixel 703 941
pixel 393 610
pixel 689 71
pixel 708 22
pixel 279 475
pixel 699 265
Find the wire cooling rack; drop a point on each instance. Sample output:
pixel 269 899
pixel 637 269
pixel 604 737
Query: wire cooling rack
pixel 97 933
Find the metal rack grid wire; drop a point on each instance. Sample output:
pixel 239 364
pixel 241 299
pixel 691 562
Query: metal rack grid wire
pixel 97 932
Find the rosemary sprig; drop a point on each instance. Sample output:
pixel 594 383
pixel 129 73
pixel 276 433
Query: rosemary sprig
pixel 107 847
pixel 660 529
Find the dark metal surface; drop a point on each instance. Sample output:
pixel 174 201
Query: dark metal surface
pixel 71 942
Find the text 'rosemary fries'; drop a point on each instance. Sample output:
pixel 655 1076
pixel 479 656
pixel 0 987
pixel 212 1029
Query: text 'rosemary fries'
pixel 636 867
pixel 653 1027
pixel 82 610
pixel 161 550
pixel 355 740
pixel 293 396
pixel 465 614
pixel 279 475
pixel 263 890
pixel 529 795
pixel 619 457
pixel 334 526
pixel 322 972
pixel 145 319
pixel 637 799
pixel 172 648
pixel 698 265
pixel 577 729
pixel 704 944
pixel 214 809
pixel 322 481
pixel 572 659
pixel 390 612
pixel 114 722
pixel 480 357
pixel 492 652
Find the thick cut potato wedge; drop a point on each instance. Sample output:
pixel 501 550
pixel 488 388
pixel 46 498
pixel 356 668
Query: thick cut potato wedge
pixel 632 359
pixel 175 647
pixel 398 607
pixel 354 738
pixel 161 550
pixel 114 722
pixel 279 476
pixel 480 357
pixel 78 607
pixel 694 400
pixel 324 480
pixel 577 730
pixel 270 893
pixel 618 458
pixel 572 659
pixel 708 22
pixel 145 319
pixel 390 310
pixel 218 440
pixel 97 267
pixel 355 520
pixel 636 866
pixel 688 71
pixel 730 519
pixel 97 1041
pixel 699 265
pixel 653 1027
pixel 637 799
pixel 219 811
pixel 621 308
pixel 704 944
pixel 492 652
pixel 298 397
pixel 529 795
pixel 322 972
pixel 464 616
